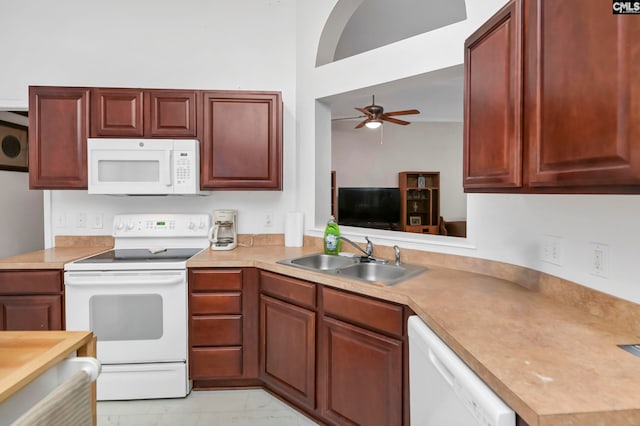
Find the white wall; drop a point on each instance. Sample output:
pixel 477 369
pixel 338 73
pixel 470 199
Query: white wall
pixel 198 44
pixel 21 223
pixel 272 45
pixel 509 228
pixel 365 157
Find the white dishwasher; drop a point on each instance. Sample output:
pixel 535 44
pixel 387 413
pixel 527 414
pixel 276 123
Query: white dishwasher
pixel 443 390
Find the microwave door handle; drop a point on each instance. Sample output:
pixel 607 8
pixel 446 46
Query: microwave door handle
pixel 166 178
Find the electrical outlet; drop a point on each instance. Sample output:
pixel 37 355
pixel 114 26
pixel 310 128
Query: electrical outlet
pixel 552 250
pixel 81 220
pixel 61 220
pixel 599 259
pixel 268 219
pixel 96 221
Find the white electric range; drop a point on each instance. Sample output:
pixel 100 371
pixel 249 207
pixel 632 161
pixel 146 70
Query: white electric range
pixel 134 299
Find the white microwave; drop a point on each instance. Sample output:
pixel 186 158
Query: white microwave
pixel 143 166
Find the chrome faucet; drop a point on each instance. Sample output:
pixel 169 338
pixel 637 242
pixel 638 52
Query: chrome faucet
pixel 396 250
pixel 368 252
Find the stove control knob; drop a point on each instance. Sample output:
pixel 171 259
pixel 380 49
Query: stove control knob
pixel 120 226
pixel 192 225
pixel 130 226
pixel 202 225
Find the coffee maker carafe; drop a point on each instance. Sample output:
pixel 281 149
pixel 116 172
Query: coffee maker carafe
pixel 224 232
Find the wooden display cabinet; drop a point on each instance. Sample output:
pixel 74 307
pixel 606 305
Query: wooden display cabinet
pixel 420 201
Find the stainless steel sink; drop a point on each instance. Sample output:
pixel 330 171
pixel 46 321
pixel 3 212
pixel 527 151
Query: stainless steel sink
pixel 355 267
pixel 323 262
pixel 373 271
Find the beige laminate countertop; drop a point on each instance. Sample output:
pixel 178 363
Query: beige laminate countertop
pixel 553 364
pixel 53 258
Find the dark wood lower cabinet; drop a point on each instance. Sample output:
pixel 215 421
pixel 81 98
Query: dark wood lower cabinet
pixel 223 327
pixel 31 300
pixel 340 357
pixel 19 313
pixel 288 348
pixel 362 376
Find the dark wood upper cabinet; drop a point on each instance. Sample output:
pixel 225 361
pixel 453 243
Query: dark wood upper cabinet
pixel 582 93
pixel 58 131
pixel 567 120
pixel 170 113
pixel 143 113
pixel 493 102
pixel 117 112
pixel 242 140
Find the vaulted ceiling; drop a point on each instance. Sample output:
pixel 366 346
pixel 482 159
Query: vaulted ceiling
pixel 378 23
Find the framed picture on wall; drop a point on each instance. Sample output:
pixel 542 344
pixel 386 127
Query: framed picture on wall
pixel 415 220
pixel 14 148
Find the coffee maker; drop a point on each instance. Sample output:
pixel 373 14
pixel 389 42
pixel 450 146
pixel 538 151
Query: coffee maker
pixel 223 235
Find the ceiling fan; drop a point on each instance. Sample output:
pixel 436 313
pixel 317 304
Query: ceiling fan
pixel 375 115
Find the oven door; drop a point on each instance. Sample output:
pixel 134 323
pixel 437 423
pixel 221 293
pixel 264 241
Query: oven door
pixel 137 316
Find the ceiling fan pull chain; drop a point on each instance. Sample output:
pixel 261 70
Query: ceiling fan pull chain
pixel 381 134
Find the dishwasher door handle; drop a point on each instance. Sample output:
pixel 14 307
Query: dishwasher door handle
pixel 441 368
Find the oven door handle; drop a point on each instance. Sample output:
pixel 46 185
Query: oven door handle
pixel 82 281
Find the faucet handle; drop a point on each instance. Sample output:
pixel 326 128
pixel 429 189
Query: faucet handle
pixel 369 246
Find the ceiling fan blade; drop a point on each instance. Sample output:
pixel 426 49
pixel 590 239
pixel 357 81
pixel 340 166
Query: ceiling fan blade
pixel 394 120
pixel 362 123
pixel 405 112
pixel 348 118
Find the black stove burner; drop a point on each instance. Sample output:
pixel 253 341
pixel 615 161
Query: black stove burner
pixel 142 255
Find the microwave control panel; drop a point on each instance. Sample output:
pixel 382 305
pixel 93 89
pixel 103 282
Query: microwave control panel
pixel 185 166
pixel 184 161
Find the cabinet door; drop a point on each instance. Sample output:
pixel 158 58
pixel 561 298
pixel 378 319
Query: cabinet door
pixel 30 313
pixel 362 376
pixel 117 112
pixel 242 142
pixel 582 94
pixel 493 103
pixel 287 349
pixel 170 113
pixel 58 130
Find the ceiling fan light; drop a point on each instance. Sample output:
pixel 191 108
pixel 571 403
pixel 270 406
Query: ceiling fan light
pixel 373 124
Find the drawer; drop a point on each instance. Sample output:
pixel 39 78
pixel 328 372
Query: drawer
pixel 370 313
pixel 30 282
pixel 212 363
pixel 212 279
pixel 216 330
pixel 289 289
pixel 216 303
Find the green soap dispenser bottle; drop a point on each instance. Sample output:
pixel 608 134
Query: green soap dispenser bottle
pixel 332 237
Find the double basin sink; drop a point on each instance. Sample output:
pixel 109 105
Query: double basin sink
pixel 359 268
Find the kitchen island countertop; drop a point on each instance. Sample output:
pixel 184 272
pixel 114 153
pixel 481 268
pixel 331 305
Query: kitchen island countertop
pixel 25 355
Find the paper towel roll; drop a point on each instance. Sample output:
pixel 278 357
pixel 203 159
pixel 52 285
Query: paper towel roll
pixel 294 229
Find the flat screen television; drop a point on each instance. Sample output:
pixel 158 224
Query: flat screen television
pixel 377 208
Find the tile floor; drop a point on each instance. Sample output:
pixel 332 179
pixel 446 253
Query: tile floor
pixel 251 407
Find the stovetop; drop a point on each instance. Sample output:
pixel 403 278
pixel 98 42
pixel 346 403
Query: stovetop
pixel 149 241
pixel 142 256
